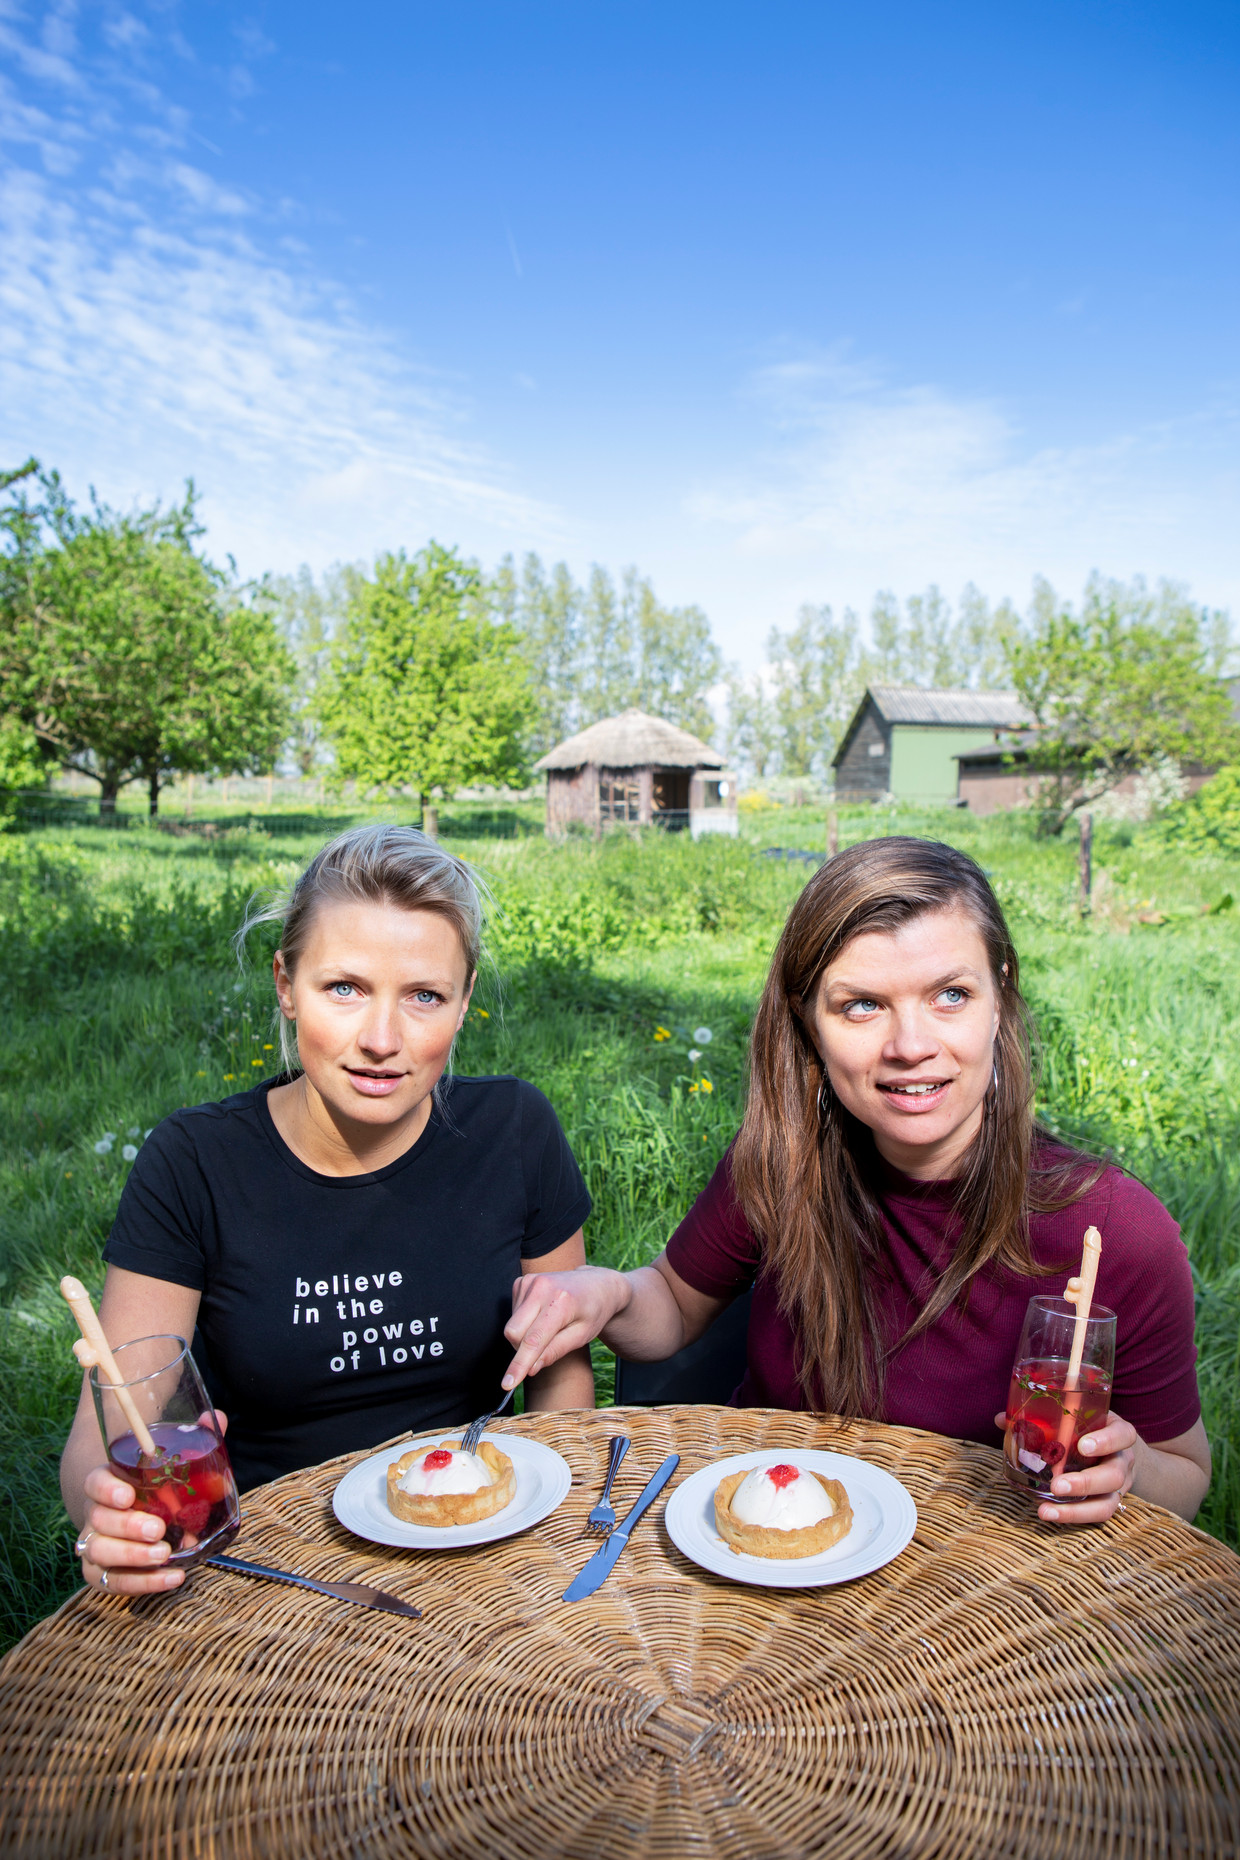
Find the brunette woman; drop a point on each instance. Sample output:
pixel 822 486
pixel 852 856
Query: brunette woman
pixel 894 1203
pixel 345 1235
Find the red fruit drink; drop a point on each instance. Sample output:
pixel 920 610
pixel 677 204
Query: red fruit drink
pixel 1045 1421
pixel 190 1486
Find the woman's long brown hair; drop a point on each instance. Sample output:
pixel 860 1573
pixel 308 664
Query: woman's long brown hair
pixel 805 1170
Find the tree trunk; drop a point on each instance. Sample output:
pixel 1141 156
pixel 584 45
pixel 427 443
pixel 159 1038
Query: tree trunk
pixel 1086 862
pixel 152 788
pixel 109 788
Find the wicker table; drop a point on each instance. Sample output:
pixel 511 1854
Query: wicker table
pixel 1002 1688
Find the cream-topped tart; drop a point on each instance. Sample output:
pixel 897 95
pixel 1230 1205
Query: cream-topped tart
pixel 781 1510
pixel 441 1484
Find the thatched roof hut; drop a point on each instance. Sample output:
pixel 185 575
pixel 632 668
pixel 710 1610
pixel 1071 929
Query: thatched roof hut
pixel 639 770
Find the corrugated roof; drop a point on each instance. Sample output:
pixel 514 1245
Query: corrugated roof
pixel 988 710
pixel 632 740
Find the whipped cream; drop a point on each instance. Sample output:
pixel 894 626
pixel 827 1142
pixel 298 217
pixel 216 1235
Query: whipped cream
pixel 464 1472
pixel 781 1503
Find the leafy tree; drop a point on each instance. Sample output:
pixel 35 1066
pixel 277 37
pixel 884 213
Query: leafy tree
pixel 128 656
pixel 930 646
pixel 753 727
pixel 820 669
pixel 1132 678
pixel 677 661
pixel 427 690
pixel 21 763
pixel 308 613
pixel 605 679
pixel 595 651
pixel 545 610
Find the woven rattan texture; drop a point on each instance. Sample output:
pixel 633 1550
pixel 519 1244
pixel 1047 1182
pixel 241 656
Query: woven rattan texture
pixel 1002 1688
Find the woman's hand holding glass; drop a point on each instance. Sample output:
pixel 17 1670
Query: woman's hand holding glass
pixel 1095 1494
pixel 122 1544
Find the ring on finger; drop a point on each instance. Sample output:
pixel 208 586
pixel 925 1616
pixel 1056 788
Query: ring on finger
pixel 103 1579
pixel 1120 1505
pixel 79 1548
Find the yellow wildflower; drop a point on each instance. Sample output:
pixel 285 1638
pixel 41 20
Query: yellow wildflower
pixel 707 1086
pixel 256 1062
pixel 483 1015
pixel 229 1077
pixel 661 1033
pixel 267 1047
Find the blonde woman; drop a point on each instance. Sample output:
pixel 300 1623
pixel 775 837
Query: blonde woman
pixel 345 1236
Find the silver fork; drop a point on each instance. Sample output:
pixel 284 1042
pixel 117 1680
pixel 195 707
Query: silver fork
pixel 474 1432
pixel 602 1520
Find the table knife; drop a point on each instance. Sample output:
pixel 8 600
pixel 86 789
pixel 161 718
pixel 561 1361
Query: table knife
pixel 603 1561
pixel 343 1591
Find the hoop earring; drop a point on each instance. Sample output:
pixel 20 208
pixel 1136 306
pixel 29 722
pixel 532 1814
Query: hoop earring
pixel 824 1098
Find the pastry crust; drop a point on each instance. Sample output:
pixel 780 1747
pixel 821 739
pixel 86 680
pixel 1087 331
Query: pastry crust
pixel 451 1507
pixel 759 1540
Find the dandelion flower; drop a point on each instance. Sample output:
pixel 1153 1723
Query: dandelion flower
pixel 483 1015
pixel 662 1033
pixel 693 1087
pixel 200 1075
pixel 707 1086
pixel 129 1152
pixel 103 1147
pixel 68 1175
pixel 703 1035
pixel 229 1077
pixel 695 1053
pixel 268 1048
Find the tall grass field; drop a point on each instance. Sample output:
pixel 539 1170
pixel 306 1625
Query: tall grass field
pixel 607 959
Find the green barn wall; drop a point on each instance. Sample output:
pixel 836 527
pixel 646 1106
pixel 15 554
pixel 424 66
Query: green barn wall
pixel 922 765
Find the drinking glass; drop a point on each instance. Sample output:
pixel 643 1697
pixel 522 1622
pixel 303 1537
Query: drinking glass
pixel 1045 1418
pixel 189 1483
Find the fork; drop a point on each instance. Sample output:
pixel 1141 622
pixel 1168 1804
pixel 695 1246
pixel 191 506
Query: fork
pixel 473 1433
pixel 602 1520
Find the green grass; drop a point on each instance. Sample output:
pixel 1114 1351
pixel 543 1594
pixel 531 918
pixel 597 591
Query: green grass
pixel 124 1004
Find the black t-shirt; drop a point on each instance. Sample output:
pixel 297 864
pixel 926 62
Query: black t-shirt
pixel 339 1310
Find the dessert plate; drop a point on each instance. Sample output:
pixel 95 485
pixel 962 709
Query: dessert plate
pixel 884 1519
pixel 543 1481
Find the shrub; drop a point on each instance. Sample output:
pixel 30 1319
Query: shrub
pixel 1210 821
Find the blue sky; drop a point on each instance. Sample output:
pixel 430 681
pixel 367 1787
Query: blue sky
pixel 781 302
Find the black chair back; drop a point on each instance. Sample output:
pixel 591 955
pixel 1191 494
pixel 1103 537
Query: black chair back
pixel 707 1371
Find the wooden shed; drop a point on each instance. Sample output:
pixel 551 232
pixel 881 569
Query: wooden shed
pixel 904 741
pixel 637 770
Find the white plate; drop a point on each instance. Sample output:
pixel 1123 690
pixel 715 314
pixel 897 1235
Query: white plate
pixel 884 1519
pixel 543 1481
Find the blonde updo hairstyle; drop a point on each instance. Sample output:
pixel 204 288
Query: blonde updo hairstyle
pixel 380 863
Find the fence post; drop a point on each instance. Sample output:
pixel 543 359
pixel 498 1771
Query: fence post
pixel 1086 861
pixel 833 833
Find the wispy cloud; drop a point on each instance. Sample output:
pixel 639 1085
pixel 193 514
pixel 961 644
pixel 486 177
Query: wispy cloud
pixel 864 483
pixel 155 323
